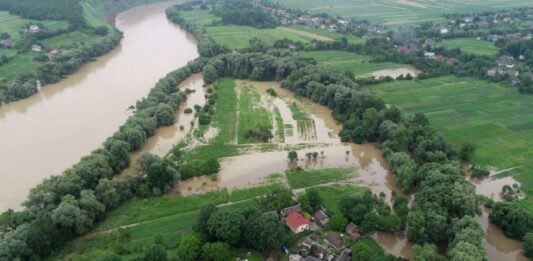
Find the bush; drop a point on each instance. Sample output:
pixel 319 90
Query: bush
pixel 188 111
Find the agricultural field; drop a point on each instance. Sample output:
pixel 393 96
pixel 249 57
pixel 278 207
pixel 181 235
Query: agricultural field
pixel 400 12
pixel 496 118
pixel 69 39
pixel 13 24
pixel 471 46
pixel 236 37
pixel 342 61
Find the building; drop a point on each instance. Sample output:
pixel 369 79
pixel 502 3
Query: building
pixel 345 255
pixel 34 29
pixel 403 49
pixel 506 61
pixel 321 218
pixel 429 55
pixel 297 223
pixel 7 43
pixel 36 48
pixel 444 30
pixel 314 251
pixel 287 211
pixel 334 240
pixel 52 53
pixel 295 257
pixel 353 230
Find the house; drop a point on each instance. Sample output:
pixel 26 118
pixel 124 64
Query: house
pixel 403 49
pixel 321 218
pixel 297 223
pixel 52 53
pixel 36 48
pixel 353 230
pixel 7 43
pixel 452 61
pixel 287 211
pixel 315 251
pixel 334 240
pixel 439 57
pixel 345 255
pixel 444 30
pixel 34 29
pixel 295 257
pixel 506 61
pixel 494 37
pixel 429 55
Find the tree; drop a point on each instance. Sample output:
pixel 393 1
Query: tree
pixel 119 154
pixel 226 226
pixel 156 253
pixel 189 248
pixel 528 244
pixel 311 201
pixel 467 152
pixel 201 222
pixel 276 200
pixel 265 233
pixel 109 257
pixel 292 156
pixel 338 222
pixel 210 74
pixel 164 115
pixel 217 251
pixel 107 193
pixel 426 252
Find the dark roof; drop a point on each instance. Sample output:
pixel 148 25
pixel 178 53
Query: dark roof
pixel 321 215
pixel 345 255
pixel 352 228
pixel 334 240
pixel 287 211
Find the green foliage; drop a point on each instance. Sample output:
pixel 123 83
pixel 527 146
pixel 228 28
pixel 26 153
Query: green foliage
pixel 426 252
pixel 310 201
pixel 368 249
pixel 276 200
pixel 189 248
pixel 306 178
pixel 265 233
pixel 528 244
pixel 292 156
pixel 195 168
pixel 226 226
pixel 216 252
pixel 369 212
pixel 158 174
pixel 259 134
pixel 156 253
pixel 338 222
pixel 467 152
pixel 513 219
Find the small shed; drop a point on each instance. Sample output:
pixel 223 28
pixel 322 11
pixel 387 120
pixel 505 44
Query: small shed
pixel 321 218
pixel 292 209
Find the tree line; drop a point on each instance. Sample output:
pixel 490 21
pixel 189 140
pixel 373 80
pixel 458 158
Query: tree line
pixel 69 10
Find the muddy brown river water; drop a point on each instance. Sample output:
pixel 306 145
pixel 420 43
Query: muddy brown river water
pixel 48 132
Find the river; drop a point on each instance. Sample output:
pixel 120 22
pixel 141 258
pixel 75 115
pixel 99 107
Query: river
pixel 49 132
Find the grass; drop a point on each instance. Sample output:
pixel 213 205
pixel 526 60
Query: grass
pixel 280 129
pixel 18 64
pixel 69 39
pixel 331 195
pixel 237 37
pixel 297 114
pixel 401 12
pixel 168 218
pixel 345 61
pixel 251 114
pixel 307 178
pixel 472 46
pixel 225 118
pixel 496 118
pixel 94 16
pixel 13 24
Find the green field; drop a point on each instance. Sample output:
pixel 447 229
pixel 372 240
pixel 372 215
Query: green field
pixel 251 114
pixel 18 64
pixel 496 118
pixel 472 46
pixel 69 39
pixel 236 37
pixel 13 24
pixel 345 61
pixel 401 12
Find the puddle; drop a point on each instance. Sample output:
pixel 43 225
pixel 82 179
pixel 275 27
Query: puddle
pixel 395 73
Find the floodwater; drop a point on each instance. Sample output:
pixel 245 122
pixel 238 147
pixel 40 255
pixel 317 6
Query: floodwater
pixel 49 132
pixel 394 73
pixel 166 137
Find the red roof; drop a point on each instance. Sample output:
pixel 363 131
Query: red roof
pixel 296 220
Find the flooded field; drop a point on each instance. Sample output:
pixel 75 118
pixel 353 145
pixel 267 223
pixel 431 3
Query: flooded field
pixel 394 73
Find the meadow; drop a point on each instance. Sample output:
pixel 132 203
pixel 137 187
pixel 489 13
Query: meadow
pixel 496 118
pixel 471 46
pixel 342 61
pixel 13 24
pixel 69 39
pixel 237 37
pixel 400 12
